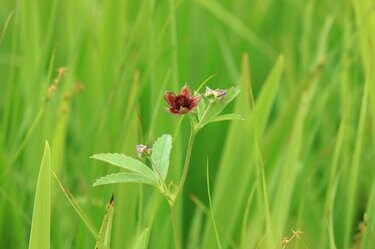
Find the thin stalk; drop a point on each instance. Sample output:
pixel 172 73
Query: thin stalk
pixel 28 135
pixel 187 161
pixel 175 229
pixel 172 200
pixel 211 209
pixel 154 166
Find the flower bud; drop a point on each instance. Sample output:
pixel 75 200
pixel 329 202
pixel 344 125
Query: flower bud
pixel 143 150
pixel 215 94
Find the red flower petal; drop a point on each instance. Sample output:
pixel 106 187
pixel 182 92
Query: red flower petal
pixel 173 110
pixel 194 102
pixel 170 98
pixel 185 91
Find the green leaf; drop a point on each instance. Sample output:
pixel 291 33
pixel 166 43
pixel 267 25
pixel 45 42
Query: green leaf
pixel 201 108
pixel 104 238
pixel 217 106
pixel 40 226
pixel 161 151
pixel 126 162
pixel 125 178
pixel 142 240
pixel 85 219
pixel 225 117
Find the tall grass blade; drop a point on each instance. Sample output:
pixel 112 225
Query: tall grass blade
pixel 211 210
pixel 41 222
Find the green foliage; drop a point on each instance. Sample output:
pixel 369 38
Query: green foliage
pixel 41 222
pixel 104 236
pixel 301 158
pixel 77 208
pixel 125 178
pixel 161 151
pixel 141 171
pixel 209 112
pixel 142 240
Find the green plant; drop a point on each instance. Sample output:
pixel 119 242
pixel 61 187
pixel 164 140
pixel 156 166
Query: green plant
pixel 209 105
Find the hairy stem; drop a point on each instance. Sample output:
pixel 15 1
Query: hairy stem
pixel 186 164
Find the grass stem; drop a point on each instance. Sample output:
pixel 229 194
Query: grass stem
pixel 175 229
pixel 186 164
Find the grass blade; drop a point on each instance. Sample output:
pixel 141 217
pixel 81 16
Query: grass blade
pixel 237 26
pixel 211 211
pixel 77 208
pixel 142 240
pixel 104 237
pixel 40 226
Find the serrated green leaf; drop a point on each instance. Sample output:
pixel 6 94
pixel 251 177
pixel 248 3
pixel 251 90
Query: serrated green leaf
pixel 225 117
pixel 125 178
pixel 41 222
pixel 142 240
pixel 161 151
pixel 104 237
pixel 217 106
pixel 126 162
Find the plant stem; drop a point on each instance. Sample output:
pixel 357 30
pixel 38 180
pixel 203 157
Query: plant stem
pixel 175 230
pixel 172 200
pixel 186 164
pixel 154 166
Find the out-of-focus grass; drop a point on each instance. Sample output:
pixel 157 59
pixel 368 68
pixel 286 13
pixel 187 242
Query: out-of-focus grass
pixel 306 147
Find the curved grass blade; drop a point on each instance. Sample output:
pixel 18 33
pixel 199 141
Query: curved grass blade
pixel 77 208
pixel 41 222
pixel 104 238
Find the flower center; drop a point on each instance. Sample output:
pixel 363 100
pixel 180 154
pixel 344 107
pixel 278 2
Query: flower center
pixel 181 101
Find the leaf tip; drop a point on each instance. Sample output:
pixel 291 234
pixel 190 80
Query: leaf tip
pixel 112 200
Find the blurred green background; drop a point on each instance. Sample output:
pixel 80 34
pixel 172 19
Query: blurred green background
pixel 312 128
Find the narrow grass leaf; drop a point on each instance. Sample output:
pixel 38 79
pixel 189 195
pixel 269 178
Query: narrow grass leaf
pixel 125 178
pixel 41 222
pixel 104 237
pixel 77 208
pixel 211 210
pixel 356 166
pixel 142 240
pixel 195 233
pixel 126 162
pixel 268 92
pixel 161 151
pixel 240 138
pixel 237 26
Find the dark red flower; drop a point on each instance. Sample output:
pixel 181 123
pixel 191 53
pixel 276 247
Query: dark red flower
pixel 182 103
